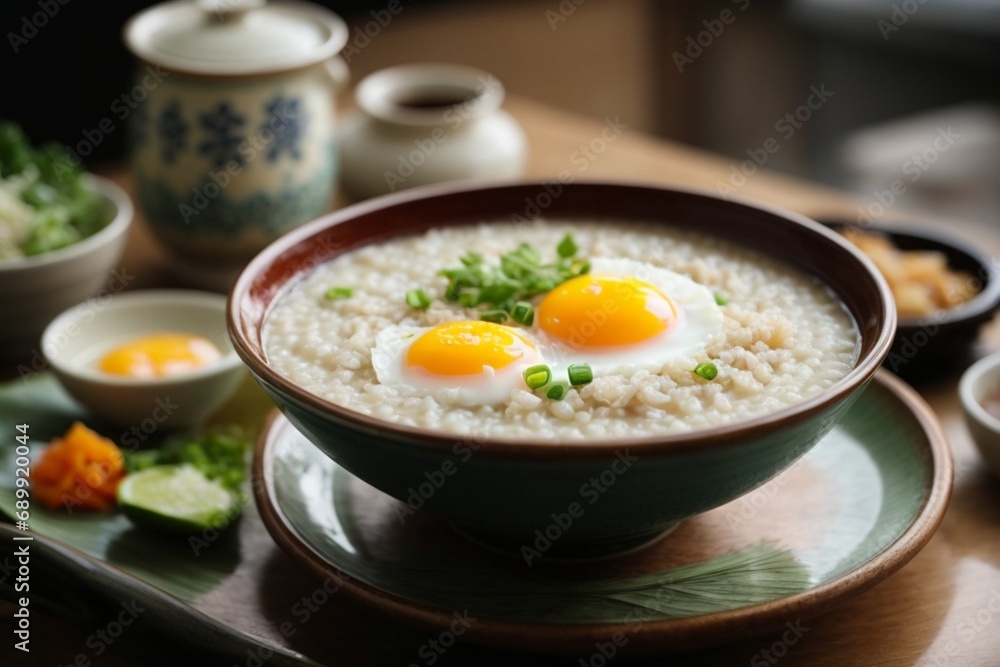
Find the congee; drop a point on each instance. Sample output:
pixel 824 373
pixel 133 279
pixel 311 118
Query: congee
pixel 559 330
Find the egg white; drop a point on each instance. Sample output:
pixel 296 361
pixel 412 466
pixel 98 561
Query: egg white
pixel 490 387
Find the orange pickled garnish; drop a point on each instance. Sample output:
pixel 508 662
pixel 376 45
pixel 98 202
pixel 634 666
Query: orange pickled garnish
pixel 81 469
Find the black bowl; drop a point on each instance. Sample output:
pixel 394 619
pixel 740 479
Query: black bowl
pixel 942 343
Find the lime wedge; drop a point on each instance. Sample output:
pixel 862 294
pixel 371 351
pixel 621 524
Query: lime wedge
pixel 176 499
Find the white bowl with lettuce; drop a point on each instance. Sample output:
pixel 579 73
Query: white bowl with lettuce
pixel 62 233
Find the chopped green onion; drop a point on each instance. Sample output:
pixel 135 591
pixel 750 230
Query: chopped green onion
pixel 417 298
pixel 579 267
pixel 721 299
pixel 471 259
pixel 580 374
pixel 498 292
pixel 519 276
pixel 495 316
pixel 523 313
pixel 516 266
pixel 567 247
pixel 530 254
pixel 537 377
pixel 468 297
pixel 706 370
pixel 557 391
pixel 335 293
pixel 218 455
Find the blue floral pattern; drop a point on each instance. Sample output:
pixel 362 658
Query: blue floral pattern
pixel 288 122
pixel 223 131
pixel 223 216
pixel 172 130
pixel 138 124
pixel 223 127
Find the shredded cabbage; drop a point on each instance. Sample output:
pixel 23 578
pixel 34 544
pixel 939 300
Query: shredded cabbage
pixel 44 203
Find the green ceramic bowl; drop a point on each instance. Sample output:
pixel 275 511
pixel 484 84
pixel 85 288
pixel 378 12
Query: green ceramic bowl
pixel 573 498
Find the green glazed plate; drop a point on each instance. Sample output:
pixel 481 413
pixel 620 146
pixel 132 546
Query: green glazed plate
pixel 854 510
pixel 85 564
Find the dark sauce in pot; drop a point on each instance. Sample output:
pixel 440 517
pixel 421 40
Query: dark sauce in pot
pixel 432 102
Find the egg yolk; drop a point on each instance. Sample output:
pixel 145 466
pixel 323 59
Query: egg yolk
pixel 160 355
pixel 601 311
pixel 464 348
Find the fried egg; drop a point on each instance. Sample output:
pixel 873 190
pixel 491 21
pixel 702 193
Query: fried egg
pixel 626 316
pixel 622 317
pixel 160 355
pixel 464 362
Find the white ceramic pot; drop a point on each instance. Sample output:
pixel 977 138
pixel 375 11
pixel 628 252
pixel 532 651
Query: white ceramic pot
pixel 980 380
pixel 428 123
pixel 235 141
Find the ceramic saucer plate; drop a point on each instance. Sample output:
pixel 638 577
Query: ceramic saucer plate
pixel 851 512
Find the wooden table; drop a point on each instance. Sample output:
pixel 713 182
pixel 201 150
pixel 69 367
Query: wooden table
pixel 935 611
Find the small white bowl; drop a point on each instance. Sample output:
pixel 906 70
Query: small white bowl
pixel 35 289
pixel 75 340
pixel 980 378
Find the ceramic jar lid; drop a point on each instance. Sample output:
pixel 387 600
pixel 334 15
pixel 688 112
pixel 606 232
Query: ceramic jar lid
pixel 235 37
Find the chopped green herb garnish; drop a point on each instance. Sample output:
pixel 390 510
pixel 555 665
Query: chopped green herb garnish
pixel 523 313
pixel 471 259
pixel 468 297
pixel 220 456
pixel 497 293
pixel 579 267
pixel 417 298
pixel 580 374
pixel 557 391
pixel 567 247
pixel 537 377
pixel 509 286
pixel 46 202
pixel 496 316
pixel 337 293
pixel 721 299
pixel 706 370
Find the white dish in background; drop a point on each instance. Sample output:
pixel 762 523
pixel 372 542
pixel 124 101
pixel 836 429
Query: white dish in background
pixel 74 342
pixel 980 378
pixel 35 289
pixel 426 123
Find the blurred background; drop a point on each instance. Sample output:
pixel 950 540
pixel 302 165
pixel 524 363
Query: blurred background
pixel 854 92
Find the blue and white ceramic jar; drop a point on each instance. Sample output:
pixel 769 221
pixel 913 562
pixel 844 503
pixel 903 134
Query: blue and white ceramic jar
pixel 235 142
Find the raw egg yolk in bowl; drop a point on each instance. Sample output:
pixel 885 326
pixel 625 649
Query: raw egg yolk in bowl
pixel 160 355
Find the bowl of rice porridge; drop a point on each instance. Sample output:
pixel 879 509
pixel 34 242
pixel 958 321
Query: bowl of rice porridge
pixel 586 362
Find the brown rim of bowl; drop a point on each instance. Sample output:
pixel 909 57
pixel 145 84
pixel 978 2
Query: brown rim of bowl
pixel 296 246
pixel 677 634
